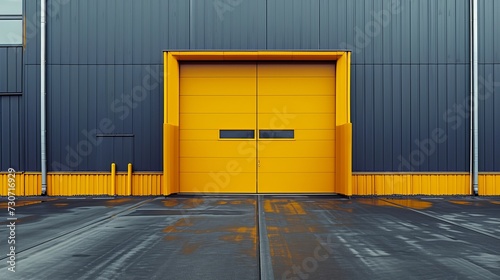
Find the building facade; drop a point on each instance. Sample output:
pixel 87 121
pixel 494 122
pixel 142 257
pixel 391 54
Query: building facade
pixel 410 86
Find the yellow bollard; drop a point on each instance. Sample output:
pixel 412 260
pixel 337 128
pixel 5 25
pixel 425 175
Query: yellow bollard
pixel 129 179
pixel 113 179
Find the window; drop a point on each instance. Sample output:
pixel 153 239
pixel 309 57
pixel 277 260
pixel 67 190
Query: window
pixel 277 134
pixel 11 22
pixel 237 134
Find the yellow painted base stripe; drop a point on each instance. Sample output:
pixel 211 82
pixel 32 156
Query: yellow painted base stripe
pixel 489 184
pixel 144 184
pixel 75 184
pixel 26 184
pixel 421 184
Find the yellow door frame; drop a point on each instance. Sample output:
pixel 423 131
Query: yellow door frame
pixel 171 119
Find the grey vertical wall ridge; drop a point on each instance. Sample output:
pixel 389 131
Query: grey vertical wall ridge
pixel 409 76
pixel 489 85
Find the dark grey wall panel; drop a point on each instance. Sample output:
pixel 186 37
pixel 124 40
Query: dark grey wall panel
pixel 368 120
pixel 293 24
pixel 235 24
pixel 386 31
pixel 11 66
pixel 396 120
pixel 128 31
pixel 489 27
pixel 11 140
pixel 395 113
pixel 489 118
pixel 489 85
pixel 378 117
pixel 90 103
pixel 32 25
pixel 433 112
pixel 357 97
pixel 11 109
pixel 31 125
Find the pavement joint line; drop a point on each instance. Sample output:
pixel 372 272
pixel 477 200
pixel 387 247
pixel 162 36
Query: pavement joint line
pixel 266 265
pixel 85 226
pixel 477 230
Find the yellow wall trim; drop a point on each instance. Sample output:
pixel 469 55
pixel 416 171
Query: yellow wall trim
pixel 85 183
pixel 151 183
pixel 27 184
pixel 411 184
pixel 341 59
pixel 489 184
pixel 431 183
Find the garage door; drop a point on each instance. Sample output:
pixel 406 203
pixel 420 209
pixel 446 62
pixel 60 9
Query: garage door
pixel 296 122
pixel 257 128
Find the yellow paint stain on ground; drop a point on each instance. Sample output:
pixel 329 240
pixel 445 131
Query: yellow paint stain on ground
pixel 5 205
pixel 283 206
pixel 295 228
pixel 244 201
pixel 413 203
pixel 268 207
pixel 240 234
pixel 233 238
pixel 313 229
pixel 190 248
pixel 178 226
pixel 115 202
pixel 461 202
pixel 221 202
pixel 61 204
pixel 275 229
pixel 336 205
pixel 495 202
pixel 410 203
pixel 170 202
pixel 249 232
pixel 294 207
pixel 193 202
pixel 278 248
pixel 375 202
pixel 171 238
pixel 250 201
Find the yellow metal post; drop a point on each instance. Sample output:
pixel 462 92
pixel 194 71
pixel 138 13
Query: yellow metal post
pixel 113 179
pixel 129 179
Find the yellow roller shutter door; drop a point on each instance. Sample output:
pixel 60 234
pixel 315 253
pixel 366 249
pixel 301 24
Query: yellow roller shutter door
pixel 298 99
pixel 257 128
pixel 215 97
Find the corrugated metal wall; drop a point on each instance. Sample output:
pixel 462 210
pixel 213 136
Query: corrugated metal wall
pixel 11 69
pixel 11 108
pixel 489 83
pixel 409 80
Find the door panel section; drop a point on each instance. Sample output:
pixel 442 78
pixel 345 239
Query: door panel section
pixel 214 98
pixel 224 108
pixel 216 104
pixel 296 149
pixel 296 86
pixel 293 105
pixel 301 98
pixel 210 86
pixel 301 122
pixel 290 182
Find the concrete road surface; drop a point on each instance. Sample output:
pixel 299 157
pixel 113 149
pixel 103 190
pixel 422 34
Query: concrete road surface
pixel 251 237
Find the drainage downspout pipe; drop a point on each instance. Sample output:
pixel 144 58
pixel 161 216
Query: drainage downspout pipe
pixel 475 99
pixel 43 93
